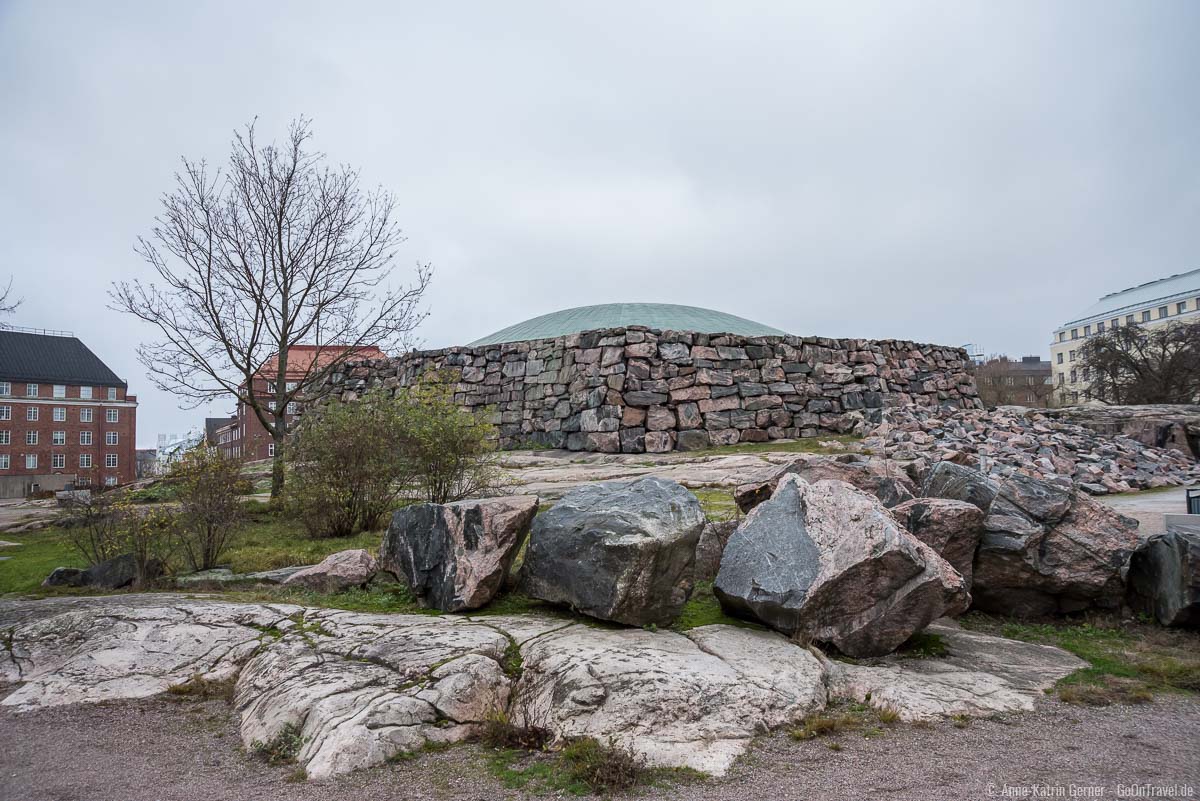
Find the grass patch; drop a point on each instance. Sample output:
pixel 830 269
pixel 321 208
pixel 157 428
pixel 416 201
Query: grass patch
pixel 703 609
pixel 923 645
pixel 584 766
pixel 1128 661
pixel 39 553
pixel 842 717
pixel 198 688
pixel 282 748
pixel 717 502
pixel 809 445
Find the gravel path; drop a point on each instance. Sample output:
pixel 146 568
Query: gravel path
pixel 179 750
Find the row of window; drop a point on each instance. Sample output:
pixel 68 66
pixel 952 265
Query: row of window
pixel 59 437
pixel 57 391
pixel 1087 376
pixel 60 414
pixel 58 461
pixel 1009 380
pixel 1146 317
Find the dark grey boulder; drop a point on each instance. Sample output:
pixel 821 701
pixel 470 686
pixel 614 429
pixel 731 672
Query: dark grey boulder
pixel 875 476
pixel 710 547
pixel 958 483
pixel 619 551
pixel 1164 578
pixel 64 577
pixel 456 556
pixel 827 562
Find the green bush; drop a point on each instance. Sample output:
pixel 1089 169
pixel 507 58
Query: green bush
pixel 208 486
pixel 346 468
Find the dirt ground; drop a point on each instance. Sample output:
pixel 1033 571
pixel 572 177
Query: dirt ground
pixel 166 749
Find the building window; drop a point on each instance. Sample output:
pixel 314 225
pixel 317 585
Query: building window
pixel 1087 330
pixel 31 461
pixel 4 461
pixel 85 393
pixel 31 390
pixel 1163 311
pixel 60 391
pixel 1074 375
pixel 1181 307
pixel 1074 333
pixel 5 389
pixel 110 437
pixel 58 437
pixel 1146 316
pixel 271 449
pixel 1100 327
pixel 110 460
pixel 112 393
pixel 1072 355
pixel 1062 336
pixel 290 385
pixel 111 415
pixel 1116 322
pixel 85 437
pixel 291 408
pixel 5 437
pixel 110 481
pixel 5 412
pixel 31 414
pixel 60 414
pixel 85 460
pixel 85 415
pixel 58 461
pixel 31 437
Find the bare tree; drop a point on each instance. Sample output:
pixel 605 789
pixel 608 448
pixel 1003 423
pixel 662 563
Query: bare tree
pixel 8 304
pixel 1136 364
pixel 278 250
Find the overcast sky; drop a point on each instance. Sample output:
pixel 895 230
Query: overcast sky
pixel 949 172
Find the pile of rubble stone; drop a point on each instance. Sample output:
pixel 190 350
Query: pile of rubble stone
pixel 1009 440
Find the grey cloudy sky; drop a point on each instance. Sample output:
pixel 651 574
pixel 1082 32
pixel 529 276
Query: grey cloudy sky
pixel 950 172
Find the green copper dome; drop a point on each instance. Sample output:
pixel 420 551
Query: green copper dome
pixel 662 316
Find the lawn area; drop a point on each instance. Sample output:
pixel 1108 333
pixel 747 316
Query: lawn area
pixel 1130 660
pixel 267 542
pixel 717 502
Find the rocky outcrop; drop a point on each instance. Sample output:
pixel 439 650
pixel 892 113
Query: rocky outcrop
pixel 875 476
pixel 1011 440
pixel 979 675
pixel 951 528
pixel 827 562
pixel 456 556
pixel 1164 578
pixel 619 551
pixel 362 688
pixel 1046 549
pixel 338 571
pixel 1157 425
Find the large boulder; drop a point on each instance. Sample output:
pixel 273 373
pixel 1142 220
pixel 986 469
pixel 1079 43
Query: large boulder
pixel 113 574
pixel 827 562
pixel 617 551
pixel 456 556
pixel 1046 548
pixel 338 571
pixel 952 528
pixel 877 477
pixel 710 547
pixel 1164 578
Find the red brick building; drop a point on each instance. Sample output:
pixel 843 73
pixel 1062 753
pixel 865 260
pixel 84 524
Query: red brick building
pixel 65 417
pixel 244 436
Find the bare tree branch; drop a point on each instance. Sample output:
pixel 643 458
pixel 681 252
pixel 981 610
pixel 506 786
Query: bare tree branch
pixel 8 304
pixel 278 250
pixel 1135 364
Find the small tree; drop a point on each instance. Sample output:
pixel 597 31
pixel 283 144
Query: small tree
pixel 279 250
pixel 149 535
pixel 451 452
pixel 346 468
pixel 91 521
pixel 8 304
pixel 208 486
pixel 1133 364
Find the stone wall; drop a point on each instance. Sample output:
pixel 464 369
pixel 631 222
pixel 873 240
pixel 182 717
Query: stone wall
pixel 636 390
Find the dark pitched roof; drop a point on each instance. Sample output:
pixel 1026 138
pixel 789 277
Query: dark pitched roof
pixel 211 424
pixel 52 360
